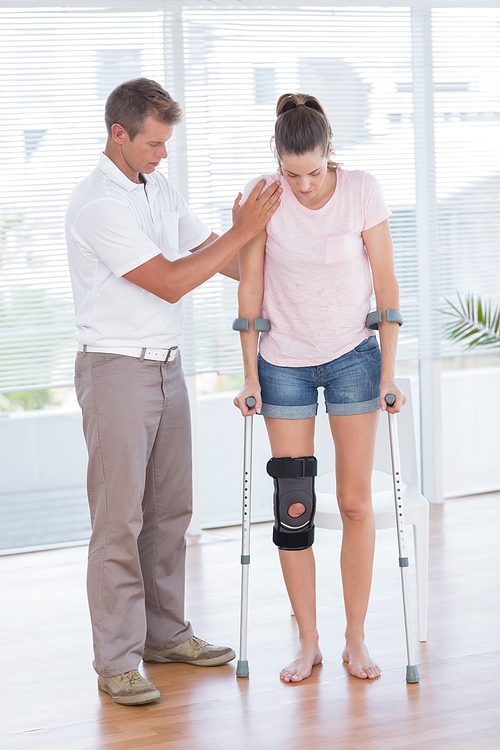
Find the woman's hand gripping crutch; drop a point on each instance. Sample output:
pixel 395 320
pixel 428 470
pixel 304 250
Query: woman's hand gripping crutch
pixel 411 668
pixel 242 666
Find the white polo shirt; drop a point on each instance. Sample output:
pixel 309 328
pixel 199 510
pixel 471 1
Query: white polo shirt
pixel 114 225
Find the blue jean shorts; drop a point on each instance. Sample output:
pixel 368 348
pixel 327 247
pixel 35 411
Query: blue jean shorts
pixel 351 385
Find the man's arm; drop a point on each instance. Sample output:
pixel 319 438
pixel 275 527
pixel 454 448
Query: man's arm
pixel 171 280
pixel 231 269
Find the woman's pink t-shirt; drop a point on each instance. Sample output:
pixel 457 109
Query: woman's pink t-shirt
pixel 317 280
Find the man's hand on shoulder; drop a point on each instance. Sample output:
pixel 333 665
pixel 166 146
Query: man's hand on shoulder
pixel 252 217
pixel 171 280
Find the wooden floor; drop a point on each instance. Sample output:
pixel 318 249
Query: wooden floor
pixel 49 697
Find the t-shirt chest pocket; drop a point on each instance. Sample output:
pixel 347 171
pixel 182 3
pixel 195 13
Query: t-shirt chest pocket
pixel 339 249
pixel 170 225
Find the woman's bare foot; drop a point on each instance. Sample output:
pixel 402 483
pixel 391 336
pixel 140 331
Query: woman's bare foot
pixel 359 661
pixel 300 668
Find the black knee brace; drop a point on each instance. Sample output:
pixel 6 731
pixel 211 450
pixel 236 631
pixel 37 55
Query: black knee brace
pixel 293 483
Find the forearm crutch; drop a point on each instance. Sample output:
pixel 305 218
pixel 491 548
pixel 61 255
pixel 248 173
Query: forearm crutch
pixel 242 666
pixel 411 669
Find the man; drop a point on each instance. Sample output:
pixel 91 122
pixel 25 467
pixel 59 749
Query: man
pixel 125 228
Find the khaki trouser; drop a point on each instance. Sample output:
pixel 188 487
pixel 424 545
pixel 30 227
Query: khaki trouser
pixel 136 422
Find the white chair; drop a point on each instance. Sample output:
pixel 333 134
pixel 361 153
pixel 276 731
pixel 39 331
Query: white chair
pixel 416 507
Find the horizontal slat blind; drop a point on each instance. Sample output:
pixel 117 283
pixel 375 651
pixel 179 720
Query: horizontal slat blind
pixel 358 63
pixel 56 69
pixel 466 57
pixel 58 65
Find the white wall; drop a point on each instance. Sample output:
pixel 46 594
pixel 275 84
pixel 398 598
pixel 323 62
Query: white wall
pixel 471 431
pixel 41 450
pixel 43 454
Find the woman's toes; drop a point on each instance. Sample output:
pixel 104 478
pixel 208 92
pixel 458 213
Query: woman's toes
pixel 360 664
pixel 298 670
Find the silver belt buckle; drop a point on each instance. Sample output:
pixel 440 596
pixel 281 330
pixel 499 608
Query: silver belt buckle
pixel 173 349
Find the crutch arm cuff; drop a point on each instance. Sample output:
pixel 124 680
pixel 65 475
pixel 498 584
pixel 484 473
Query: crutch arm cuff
pixel 259 324
pixel 375 317
pixel 394 316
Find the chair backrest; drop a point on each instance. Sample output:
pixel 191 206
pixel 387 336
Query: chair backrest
pixel 407 443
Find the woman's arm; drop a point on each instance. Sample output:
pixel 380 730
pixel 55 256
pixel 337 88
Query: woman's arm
pixel 250 293
pixel 378 243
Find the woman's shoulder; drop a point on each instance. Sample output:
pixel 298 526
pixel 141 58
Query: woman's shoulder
pixel 357 177
pixel 269 178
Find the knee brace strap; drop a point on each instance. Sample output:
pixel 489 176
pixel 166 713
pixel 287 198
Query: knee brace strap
pixel 293 483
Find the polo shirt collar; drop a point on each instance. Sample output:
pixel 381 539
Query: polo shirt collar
pixel 151 186
pixel 116 175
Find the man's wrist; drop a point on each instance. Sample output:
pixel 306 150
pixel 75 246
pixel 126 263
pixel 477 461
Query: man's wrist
pixel 239 235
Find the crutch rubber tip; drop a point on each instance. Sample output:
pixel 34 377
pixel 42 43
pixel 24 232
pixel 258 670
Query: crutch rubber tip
pixel 242 669
pixel 412 674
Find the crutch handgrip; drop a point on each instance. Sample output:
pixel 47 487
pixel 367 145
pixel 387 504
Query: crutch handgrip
pixel 250 402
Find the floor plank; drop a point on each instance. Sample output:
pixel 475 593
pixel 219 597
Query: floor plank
pixel 49 697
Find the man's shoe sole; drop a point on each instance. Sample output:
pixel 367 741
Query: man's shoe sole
pixel 217 661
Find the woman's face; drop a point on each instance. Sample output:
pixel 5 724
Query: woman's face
pixel 306 174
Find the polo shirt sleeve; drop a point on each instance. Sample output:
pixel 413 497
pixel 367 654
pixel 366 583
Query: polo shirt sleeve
pixel 106 229
pixel 192 230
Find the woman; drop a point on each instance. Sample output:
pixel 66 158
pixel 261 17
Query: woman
pixel 310 274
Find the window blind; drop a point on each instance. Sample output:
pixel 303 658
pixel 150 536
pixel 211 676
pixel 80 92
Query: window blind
pixel 361 63
pixel 358 63
pixel 466 56
pixel 227 66
pixel 56 70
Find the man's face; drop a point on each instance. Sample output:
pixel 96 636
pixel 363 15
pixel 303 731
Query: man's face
pixel 145 152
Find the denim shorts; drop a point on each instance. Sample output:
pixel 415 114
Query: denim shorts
pixel 351 385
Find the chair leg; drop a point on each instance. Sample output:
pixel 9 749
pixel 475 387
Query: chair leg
pixel 421 540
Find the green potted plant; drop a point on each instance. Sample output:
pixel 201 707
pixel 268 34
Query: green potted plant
pixel 474 322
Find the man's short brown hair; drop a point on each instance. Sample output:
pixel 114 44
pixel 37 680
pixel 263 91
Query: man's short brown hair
pixel 130 103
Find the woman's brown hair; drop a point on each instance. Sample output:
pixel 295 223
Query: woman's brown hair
pixel 301 127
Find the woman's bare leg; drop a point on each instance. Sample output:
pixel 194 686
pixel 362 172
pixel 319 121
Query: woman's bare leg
pixel 294 438
pixel 354 438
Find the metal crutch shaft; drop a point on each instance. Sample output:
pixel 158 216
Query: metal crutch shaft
pixel 242 666
pixel 411 668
